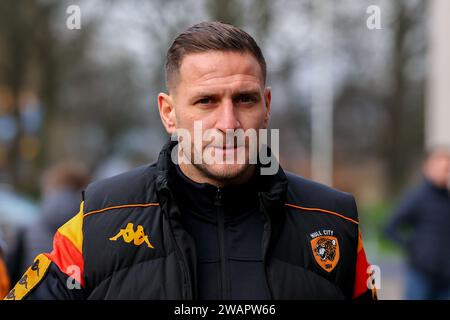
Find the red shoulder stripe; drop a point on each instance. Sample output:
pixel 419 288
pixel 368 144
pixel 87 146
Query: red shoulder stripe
pixel 66 256
pixel 361 275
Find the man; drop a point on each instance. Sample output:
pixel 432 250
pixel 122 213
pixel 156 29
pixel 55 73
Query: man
pixel 188 229
pixel 421 226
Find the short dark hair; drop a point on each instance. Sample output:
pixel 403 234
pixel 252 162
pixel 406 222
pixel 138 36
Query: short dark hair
pixel 210 36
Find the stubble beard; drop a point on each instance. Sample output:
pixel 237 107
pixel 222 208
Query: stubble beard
pixel 222 174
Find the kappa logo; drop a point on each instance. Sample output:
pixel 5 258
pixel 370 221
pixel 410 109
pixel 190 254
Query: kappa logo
pixel 325 249
pixel 129 234
pixel 30 279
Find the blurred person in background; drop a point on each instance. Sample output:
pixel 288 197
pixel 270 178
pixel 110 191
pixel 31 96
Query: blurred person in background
pixel 61 187
pixel 421 226
pixel 4 278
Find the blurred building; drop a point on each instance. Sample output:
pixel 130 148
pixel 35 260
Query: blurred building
pixel 438 104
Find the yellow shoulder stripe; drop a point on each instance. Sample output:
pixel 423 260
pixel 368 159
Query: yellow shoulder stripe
pixel 30 279
pixel 73 229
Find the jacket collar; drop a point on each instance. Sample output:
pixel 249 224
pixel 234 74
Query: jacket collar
pixel 435 188
pixel 203 199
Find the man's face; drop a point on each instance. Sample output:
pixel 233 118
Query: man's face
pixel 438 168
pixel 225 91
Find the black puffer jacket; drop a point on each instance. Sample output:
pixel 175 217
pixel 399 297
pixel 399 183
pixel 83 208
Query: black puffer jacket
pixel 128 242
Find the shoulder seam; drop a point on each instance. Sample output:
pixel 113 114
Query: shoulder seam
pixel 321 210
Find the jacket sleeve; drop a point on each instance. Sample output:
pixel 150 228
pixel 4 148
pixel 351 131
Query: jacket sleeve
pixel 58 274
pixel 364 286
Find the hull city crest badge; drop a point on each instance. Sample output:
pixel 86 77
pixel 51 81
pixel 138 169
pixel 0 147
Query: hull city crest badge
pixel 325 249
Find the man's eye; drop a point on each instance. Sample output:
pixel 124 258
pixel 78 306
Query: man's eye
pixel 246 99
pixel 204 101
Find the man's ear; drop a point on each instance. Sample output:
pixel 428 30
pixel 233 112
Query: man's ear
pixel 267 100
pixel 167 112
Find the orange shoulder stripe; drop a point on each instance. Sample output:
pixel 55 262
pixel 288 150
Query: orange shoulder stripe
pixel 142 205
pixel 321 210
pixel 4 279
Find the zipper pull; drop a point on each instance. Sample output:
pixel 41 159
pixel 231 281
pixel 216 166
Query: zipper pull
pixel 218 200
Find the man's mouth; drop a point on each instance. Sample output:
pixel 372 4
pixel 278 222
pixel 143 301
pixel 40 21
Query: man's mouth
pixel 228 149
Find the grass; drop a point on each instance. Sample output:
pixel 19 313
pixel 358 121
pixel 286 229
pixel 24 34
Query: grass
pixel 373 219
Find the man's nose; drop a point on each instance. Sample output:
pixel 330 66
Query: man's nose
pixel 226 117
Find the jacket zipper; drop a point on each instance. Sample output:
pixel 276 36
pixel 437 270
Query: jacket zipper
pixel 187 283
pixel 266 265
pixel 187 287
pixel 221 232
pixel 266 241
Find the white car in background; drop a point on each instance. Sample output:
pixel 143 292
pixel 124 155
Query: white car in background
pixel 16 211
